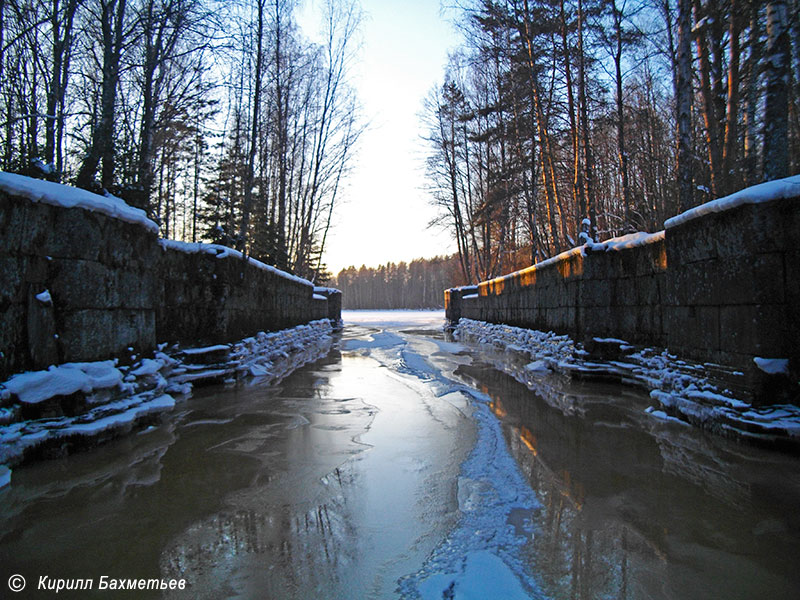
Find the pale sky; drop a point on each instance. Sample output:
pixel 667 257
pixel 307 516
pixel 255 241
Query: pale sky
pixel 384 211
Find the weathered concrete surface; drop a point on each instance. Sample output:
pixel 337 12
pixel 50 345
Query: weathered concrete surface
pixel 113 286
pixel 100 276
pixel 722 288
pixel 733 287
pixel 206 298
pixel 581 293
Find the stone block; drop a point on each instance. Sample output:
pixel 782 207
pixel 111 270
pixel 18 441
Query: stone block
pixel 41 331
pixel 688 243
pixel 643 288
pixel 137 290
pixel 595 292
pixel 76 233
pixel 649 329
pixel 596 320
pixel 11 276
pixel 12 224
pixel 757 279
pixel 133 328
pixel 77 284
pixel 692 330
pixel 14 355
pixel 626 292
pixel 650 259
pixel 86 335
pixel 26 227
pixel 755 329
pixel 624 320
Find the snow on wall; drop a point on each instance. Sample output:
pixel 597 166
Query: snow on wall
pixel 65 196
pixel 627 242
pixel 225 252
pixel 768 191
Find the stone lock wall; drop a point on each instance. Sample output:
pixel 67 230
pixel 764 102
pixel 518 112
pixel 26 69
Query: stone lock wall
pixel 719 286
pixel 733 288
pixel 99 275
pixel 113 285
pixel 208 297
pixel 585 293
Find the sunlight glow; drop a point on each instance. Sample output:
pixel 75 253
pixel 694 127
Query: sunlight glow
pixel 384 210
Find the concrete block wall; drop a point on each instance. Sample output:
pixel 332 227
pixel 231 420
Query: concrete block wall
pixel 722 287
pixel 206 297
pixel 113 286
pixel 584 293
pixel 734 284
pixel 99 274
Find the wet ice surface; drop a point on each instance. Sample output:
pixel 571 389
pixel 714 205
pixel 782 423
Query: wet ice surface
pixel 404 466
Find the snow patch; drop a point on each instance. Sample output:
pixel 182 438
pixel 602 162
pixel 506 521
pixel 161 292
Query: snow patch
pixel 224 252
pixel 537 366
pixel 36 386
pixel 483 575
pixel 56 194
pixel 5 476
pixel 773 366
pixel 481 557
pixel 626 242
pixel 120 397
pixel 757 194
pixel 205 350
pixel 45 298
pixel 660 414
pixel 384 339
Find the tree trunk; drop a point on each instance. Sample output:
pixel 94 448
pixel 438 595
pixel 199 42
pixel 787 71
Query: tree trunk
pixel 732 108
pixel 711 116
pixel 751 95
pixel 102 143
pixel 578 197
pixel 247 203
pixel 683 96
pixel 776 104
pixel 622 154
pixel 588 159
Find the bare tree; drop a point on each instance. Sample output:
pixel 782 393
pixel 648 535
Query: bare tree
pixel 683 96
pixel 776 103
pixel 112 26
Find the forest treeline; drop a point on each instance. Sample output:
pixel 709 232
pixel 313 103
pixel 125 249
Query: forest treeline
pixel 417 284
pixel 562 121
pixel 219 118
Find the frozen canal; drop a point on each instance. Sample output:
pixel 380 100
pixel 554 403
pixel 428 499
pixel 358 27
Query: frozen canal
pixel 403 465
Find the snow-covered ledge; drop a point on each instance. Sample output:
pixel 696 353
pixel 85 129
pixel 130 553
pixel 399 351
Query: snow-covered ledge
pixel 77 405
pixel 680 391
pixel 66 196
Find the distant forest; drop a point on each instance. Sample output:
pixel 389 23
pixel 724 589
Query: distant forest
pixel 418 284
pixel 562 121
pixel 217 117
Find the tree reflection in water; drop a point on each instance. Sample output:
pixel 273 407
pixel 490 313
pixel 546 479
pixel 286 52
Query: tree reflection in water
pixel 635 507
